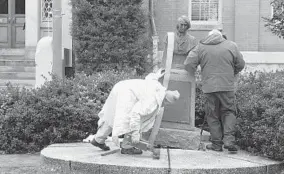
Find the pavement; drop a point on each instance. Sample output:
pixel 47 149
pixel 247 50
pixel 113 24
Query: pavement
pixel 20 164
pixel 84 158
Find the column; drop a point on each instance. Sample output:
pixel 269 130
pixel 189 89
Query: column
pixel 57 68
pixel 32 30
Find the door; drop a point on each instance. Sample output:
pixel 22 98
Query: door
pixel 5 26
pixel 12 23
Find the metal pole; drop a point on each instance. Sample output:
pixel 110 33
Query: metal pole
pixel 57 67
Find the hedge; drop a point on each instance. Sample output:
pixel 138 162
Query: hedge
pixel 260 113
pixel 110 35
pixel 60 111
pixel 66 110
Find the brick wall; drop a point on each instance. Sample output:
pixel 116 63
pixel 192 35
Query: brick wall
pixel 241 21
pixel 168 11
pixel 228 18
pixel 247 24
pixel 250 33
pixel 166 15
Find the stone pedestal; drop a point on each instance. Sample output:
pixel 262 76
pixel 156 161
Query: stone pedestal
pixel 180 115
pixel 178 123
pixel 83 158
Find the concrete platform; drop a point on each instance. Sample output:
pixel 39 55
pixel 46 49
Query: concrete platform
pixel 83 158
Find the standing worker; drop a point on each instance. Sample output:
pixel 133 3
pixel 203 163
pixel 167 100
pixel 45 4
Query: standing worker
pixel 220 62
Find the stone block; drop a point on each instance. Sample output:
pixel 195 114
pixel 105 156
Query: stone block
pixel 54 166
pixel 85 168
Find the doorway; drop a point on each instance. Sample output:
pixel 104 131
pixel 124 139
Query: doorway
pixel 12 23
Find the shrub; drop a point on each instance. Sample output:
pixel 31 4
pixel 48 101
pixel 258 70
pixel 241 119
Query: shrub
pixel 66 110
pixel 60 111
pixel 260 103
pixel 110 35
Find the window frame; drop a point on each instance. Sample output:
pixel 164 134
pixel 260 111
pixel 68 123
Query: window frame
pixel 206 24
pixel 43 18
pixel 46 24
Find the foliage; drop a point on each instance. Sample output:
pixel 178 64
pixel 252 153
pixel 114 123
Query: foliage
pixel 66 110
pixel 110 35
pixel 60 111
pixel 276 23
pixel 260 101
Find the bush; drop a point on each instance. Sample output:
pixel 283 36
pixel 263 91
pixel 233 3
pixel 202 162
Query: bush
pixel 110 35
pixel 66 110
pixel 260 103
pixel 60 111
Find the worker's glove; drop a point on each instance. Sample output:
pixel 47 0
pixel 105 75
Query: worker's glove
pixel 160 73
pixel 135 137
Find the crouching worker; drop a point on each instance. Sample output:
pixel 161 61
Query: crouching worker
pixel 130 109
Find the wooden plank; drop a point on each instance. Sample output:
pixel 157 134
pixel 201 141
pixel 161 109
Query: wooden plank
pixel 110 152
pixel 156 127
pixel 170 53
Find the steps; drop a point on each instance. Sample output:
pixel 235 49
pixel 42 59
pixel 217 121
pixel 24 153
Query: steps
pixel 14 68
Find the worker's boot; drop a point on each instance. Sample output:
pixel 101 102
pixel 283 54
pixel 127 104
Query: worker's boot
pixel 101 146
pixel 231 148
pixel 214 147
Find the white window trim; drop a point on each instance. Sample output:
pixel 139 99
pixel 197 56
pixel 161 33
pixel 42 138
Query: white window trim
pixel 207 24
pixel 271 11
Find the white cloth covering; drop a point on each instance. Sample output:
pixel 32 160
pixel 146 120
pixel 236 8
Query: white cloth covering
pixel 132 105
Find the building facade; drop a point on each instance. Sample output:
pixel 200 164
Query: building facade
pixel 24 22
pixel 241 20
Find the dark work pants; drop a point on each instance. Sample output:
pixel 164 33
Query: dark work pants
pixel 221 119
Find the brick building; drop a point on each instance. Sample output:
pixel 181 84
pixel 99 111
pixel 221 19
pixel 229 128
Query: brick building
pixel 24 22
pixel 241 20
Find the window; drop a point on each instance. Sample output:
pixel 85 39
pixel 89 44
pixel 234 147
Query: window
pixel 46 10
pixel 205 11
pixel 4 7
pixel 20 7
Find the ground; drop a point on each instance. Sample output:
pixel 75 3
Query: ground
pixel 19 164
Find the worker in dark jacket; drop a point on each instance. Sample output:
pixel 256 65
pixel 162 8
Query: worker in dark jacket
pixel 220 61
